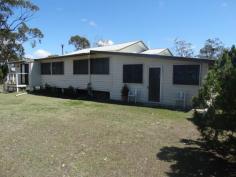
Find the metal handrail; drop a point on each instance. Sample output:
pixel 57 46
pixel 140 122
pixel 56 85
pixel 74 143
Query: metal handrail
pixel 17 73
pixel 13 78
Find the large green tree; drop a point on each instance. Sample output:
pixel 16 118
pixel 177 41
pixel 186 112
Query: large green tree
pixel 3 72
pixel 213 49
pixel 14 30
pixel 218 96
pixel 79 42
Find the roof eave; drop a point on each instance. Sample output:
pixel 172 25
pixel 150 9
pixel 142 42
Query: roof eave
pixel 154 56
pixel 130 54
pixel 62 56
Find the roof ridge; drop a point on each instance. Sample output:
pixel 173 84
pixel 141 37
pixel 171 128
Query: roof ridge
pixel 135 42
pixel 114 47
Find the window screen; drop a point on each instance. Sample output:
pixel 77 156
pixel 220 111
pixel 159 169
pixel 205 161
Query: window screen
pixel 186 74
pixel 133 73
pixel 45 68
pixel 58 68
pixel 99 66
pixel 80 67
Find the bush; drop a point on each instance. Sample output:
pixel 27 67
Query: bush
pixel 4 70
pixel 125 93
pixel 47 89
pixel 218 96
pixel 90 90
pixel 1 76
pixel 56 92
pixel 70 92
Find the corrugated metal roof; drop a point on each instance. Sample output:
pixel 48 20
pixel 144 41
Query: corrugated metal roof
pixel 116 48
pixel 154 51
pixel 119 49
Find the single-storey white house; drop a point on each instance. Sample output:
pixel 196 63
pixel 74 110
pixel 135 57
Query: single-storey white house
pixel 155 75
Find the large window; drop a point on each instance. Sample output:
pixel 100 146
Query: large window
pixel 133 73
pixel 45 68
pixel 58 68
pixel 80 67
pixel 99 66
pixel 186 74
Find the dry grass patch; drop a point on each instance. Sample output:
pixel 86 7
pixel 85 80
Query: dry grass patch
pixel 49 137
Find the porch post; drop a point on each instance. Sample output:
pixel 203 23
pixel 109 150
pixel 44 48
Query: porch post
pixel 17 89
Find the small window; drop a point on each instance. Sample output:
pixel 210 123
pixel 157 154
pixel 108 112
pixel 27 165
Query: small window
pixel 45 68
pixel 186 74
pixel 133 73
pixel 99 66
pixel 80 66
pixel 58 68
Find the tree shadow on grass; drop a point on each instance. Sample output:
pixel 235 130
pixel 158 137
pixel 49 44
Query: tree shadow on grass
pixel 202 157
pixel 195 161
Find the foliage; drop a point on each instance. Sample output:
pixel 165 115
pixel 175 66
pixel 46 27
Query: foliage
pixel 56 92
pixel 213 49
pixel 79 42
pixel 183 48
pixel 125 91
pixel 1 76
pixel 14 31
pixel 90 90
pixel 47 89
pixel 4 69
pixel 218 95
pixel 70 92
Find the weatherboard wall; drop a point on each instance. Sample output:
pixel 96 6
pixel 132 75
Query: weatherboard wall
pixel 169 91
pixel 113 82
pixel 68 78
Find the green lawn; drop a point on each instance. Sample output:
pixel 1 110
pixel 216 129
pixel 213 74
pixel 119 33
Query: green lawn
pixel 51 137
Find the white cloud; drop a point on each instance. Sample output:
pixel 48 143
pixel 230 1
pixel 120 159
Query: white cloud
pixel 40 53
pixel 83 19
pixel 92 23
pixel 102 43
pixel 29 56
pixel 88 22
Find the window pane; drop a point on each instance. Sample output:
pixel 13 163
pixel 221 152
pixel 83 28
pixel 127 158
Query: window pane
pixel 186 74
pixel 58 68
pixel 45 68
pixel 80 67
pixel 133 73
pixel 100 66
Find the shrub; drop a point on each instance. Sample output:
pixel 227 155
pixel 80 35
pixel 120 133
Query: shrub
pixel 4 69
pixel 218 96
pixel 47 89
pixel 70 92
pixel 55 91
pixel 1 76
pixel 90 90
pixel 125 92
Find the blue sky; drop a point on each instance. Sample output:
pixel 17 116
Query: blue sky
pixel 156 22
